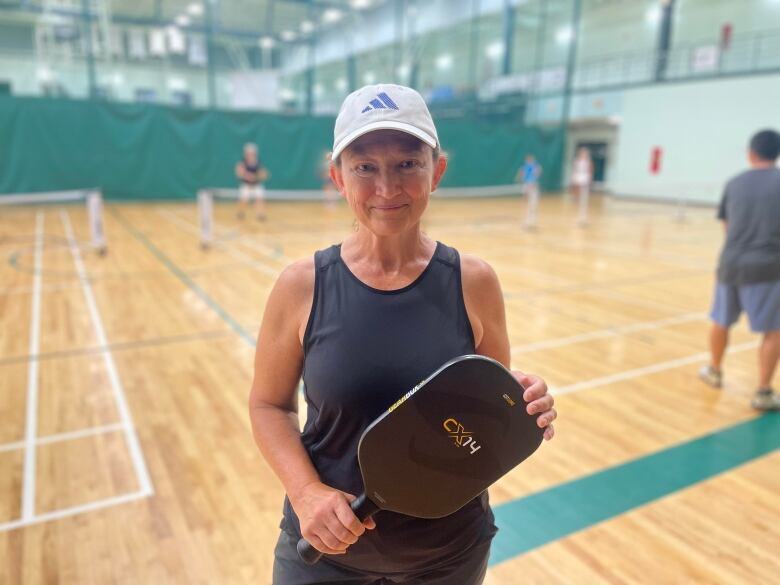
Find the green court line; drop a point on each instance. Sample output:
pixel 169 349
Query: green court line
pixel 181 275
pixel 535 520
pixel 116 347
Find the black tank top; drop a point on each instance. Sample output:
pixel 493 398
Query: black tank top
pixel 363 349
pixel 253 170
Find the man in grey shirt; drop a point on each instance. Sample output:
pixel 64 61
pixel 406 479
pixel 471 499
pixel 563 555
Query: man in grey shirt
pixel 749 267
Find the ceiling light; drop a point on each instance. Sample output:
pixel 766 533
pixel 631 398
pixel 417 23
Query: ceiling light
pixel 444 62
pixel 332 15
pixel 653 15
pixel 495 50
pixel 564 35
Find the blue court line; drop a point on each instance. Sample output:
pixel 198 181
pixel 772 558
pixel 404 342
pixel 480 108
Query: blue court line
pixel 538 519
pixel 184 278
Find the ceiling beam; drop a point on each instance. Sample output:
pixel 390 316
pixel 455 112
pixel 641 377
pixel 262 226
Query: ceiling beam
pixel 342 5
pixel 269 17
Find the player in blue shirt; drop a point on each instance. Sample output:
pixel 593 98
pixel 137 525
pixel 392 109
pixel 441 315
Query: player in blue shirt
pixel 529 175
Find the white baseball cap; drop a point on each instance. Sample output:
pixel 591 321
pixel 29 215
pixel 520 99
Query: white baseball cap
pixel 383 106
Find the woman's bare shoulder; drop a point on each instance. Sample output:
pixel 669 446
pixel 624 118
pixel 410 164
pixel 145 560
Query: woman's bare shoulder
pixel 295 284
pixel 477 273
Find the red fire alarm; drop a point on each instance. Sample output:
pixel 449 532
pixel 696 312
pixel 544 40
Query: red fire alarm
pixel 655 160
pixel 725 36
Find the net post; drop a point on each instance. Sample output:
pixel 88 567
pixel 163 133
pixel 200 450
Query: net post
pixel 206 217
pixel 95 213
pixel 682 207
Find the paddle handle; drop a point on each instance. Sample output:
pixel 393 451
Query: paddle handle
pixel 363 509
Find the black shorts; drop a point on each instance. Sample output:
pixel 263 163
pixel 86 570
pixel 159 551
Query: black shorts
pixel 289 569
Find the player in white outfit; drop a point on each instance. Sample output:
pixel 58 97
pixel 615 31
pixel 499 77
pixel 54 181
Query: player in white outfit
pixel 581 178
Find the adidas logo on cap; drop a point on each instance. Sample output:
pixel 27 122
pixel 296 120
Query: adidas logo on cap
pixel 381 102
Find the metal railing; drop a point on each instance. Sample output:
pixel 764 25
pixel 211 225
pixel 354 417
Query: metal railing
pixel 753 53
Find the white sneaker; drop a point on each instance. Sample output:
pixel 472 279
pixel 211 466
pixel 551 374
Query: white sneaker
pixel 711 376
pixel 766 400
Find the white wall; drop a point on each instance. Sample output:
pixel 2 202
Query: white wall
pixel 703 129
pixel 253 90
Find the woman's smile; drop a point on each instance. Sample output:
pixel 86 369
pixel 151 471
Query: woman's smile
pixel 390 208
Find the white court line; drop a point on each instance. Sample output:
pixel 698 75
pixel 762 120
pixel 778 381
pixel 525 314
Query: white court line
pixel 75 510
pixel 31 426
pixel 237 254
pixel 69 436
pixel 23 289
pixel 637 372
pixel 609 332
pixel 80 434
pixel 133 445
pixel 12 446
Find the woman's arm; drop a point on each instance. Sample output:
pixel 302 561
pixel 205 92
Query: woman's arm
pixel 324 513
pixel 485 307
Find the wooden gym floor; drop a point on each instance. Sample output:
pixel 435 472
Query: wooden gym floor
pixel 125 449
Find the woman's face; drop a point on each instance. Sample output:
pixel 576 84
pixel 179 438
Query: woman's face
pixel 386 176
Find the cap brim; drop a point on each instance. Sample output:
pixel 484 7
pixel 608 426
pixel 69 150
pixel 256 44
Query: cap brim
pixel 383 125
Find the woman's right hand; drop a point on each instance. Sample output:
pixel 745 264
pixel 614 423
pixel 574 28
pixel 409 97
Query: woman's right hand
pixel 326 519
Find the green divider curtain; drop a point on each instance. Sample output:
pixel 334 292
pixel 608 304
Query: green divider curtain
pixel 141 151
pixel 489 151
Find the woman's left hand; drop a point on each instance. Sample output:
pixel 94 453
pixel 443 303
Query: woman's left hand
pixel 538 401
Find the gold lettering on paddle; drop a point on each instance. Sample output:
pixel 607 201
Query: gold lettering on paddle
pixel 460 436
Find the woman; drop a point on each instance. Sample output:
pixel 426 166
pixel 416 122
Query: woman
pixel 581 177
pixel 252 175
pixel 363 322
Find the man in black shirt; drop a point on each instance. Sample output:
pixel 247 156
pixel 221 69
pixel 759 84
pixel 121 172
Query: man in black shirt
pixel 749 267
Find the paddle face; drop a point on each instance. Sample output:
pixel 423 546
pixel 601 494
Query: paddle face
pixel 448 439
